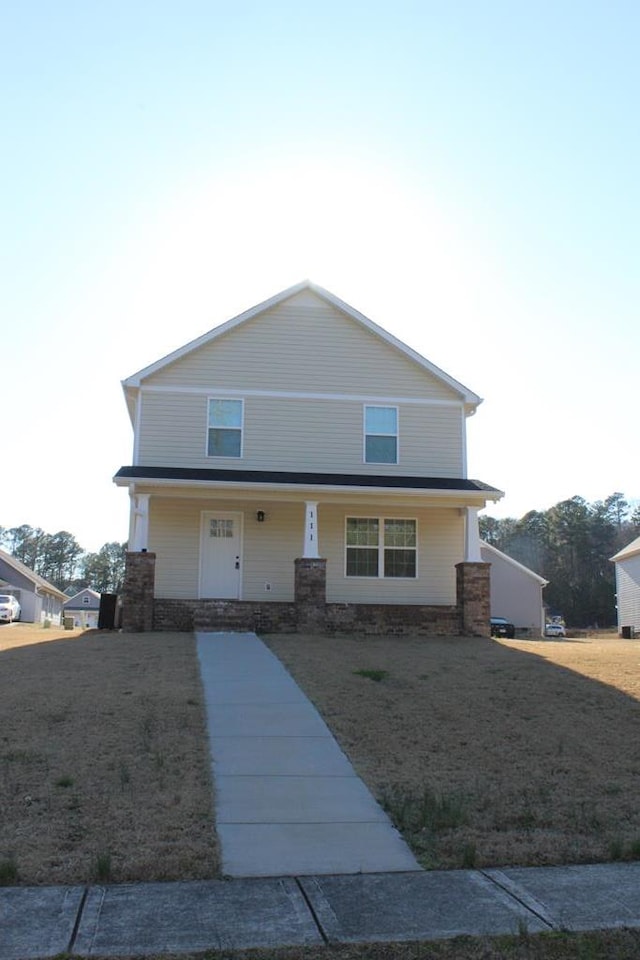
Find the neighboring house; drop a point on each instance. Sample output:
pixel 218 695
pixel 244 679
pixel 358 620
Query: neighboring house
pixel 300 466
pixel 84 607
pixel 39 599
pixel 627 563
pixel 516 592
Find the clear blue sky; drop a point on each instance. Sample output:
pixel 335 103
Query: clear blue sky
pixel 464 173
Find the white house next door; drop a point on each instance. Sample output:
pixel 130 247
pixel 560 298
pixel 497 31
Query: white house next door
pixel 221 555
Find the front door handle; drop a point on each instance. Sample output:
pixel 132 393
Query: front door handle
pixel 237 563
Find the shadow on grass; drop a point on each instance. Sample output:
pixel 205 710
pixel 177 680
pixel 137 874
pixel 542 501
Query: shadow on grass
pixel 539 761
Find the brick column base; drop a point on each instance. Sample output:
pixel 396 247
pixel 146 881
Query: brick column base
pixel 138 592
pixel 310 593
pixel 473 594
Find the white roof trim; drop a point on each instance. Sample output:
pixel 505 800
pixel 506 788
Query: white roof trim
pixel 627 552
pixel 514 563
pixel 88 590
pixel 30 574
pixel 469 398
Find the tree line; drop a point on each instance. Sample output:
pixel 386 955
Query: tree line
pixel 570 545
pixel 59 559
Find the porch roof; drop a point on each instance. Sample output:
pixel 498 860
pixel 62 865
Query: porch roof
pixel 126 475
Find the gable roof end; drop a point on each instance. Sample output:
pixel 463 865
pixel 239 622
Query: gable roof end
pixel 74 602
pixel 490 549
pixel 470 399
pixel 627 552
pixel 35 578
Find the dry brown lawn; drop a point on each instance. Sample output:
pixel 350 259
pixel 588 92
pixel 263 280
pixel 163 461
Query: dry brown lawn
pixel 487 752
pixel 605 945
pixel 104 769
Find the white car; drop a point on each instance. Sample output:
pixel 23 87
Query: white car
pixel 9 608
pixel 555 630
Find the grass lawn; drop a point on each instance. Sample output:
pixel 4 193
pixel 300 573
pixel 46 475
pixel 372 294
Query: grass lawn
pixel 485 752
pixel 488 753
pixel 104 768
pixel 608 945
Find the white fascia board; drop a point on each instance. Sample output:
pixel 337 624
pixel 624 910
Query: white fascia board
pixel 136 379
pixel 629 551
pixel 38 582
pixel 473 496
pixel 131 399
pixel 87 590
pixel 470 399
pixel 514 563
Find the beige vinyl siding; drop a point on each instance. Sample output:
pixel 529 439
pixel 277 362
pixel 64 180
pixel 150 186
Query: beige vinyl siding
pixel 269 550
pixel 283 433
pixel 628 592
pixel 304 344
pixel 440 547
pixel 174 536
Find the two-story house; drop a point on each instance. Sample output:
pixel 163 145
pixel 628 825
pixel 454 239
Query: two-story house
pixel 300 467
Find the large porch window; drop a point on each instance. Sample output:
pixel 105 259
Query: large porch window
pixel 381 547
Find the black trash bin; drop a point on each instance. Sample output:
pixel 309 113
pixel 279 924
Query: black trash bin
pixel 107 612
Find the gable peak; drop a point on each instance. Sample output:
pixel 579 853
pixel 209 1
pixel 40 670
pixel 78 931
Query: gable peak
pixel 470 399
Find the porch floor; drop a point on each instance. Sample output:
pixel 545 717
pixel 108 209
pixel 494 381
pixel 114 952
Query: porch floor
pixel 288 802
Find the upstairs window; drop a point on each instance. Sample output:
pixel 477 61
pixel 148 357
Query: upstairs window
pixel 381 547
pixel 380 434
pixel 224 437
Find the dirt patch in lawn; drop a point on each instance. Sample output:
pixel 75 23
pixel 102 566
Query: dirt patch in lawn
pixel 104 770
pixel 487 752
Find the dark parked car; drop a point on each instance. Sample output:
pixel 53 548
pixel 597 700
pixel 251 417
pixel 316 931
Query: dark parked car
pixel 502 628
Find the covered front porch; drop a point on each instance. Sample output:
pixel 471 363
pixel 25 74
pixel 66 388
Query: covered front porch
pixel 325 558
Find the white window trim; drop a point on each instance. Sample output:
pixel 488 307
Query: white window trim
pixel 380 406
pixel 381 520
pixel 240 400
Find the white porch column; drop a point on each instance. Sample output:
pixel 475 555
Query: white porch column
pixel 132 517
pixel 310 549
pixel 472 536
pixel 139 526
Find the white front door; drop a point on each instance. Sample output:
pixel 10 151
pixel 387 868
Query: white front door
pixel 221 555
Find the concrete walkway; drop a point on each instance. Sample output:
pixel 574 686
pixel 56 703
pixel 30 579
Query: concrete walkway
pixel 288 802
pixel 137 920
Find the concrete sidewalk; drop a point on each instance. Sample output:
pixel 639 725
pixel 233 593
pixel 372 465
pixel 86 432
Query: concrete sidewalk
pixel 288 802
pixel 142 919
